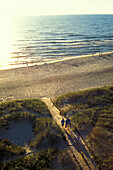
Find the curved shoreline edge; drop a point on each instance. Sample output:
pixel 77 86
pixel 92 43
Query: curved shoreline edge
pixel 83 56
pixel 49 61
pixel 55 79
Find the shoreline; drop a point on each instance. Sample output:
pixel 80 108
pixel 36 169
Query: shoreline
pixel 48 61
pixel 54 79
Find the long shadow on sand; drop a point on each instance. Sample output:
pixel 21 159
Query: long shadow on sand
pixel 79 146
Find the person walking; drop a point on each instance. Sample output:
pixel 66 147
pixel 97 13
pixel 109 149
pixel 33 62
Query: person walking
pixel 68 122
pixel 62 122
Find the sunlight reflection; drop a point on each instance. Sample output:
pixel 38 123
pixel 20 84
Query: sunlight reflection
pixel 7 33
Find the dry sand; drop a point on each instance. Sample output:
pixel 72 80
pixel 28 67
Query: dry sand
pixel 18 133
pixel 54 79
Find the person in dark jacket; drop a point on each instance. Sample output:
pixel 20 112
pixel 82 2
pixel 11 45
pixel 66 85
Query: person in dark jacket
pixel 62 122
pixel 68 122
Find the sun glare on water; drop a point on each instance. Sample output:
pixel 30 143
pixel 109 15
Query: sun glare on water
pixel 6 40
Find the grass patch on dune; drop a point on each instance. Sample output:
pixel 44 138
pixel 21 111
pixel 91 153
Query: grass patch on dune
pixel 20 105
pixel 86 98
pixel 91 111
pixel 47 133
pixel 16 116
pixel 41 160
pixel 36 105
pixel 47 136
pixel 17 110
pixel 8 149
pixel 12 112
pixel 44 160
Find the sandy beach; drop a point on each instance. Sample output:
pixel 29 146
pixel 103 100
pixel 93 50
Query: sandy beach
pixel 54 79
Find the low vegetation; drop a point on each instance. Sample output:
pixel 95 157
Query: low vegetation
pixel 36 106
pixel 91 112
pixel 41 160
pixel 8 149
pixel 47 133
pixel 44 160
pixel 33 105
pixel 44 145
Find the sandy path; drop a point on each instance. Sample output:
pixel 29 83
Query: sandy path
pixel 76 144
pixel 51 80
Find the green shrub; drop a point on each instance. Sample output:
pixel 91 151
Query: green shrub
pixel 41 160
pixel 47 132
pixel 36 105
pixel 7 149
pixel 91 111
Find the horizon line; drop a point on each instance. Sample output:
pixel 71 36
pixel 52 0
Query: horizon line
pixel 50 15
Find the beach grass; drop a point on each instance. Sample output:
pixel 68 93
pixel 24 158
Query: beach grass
pixel 8 149
pixel 41 160
pixel 36 105
pixel 20 105
pixel 91 112
pixel 47 133
pixel 44 160
pixel 44 147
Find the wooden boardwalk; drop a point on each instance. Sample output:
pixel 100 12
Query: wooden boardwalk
pixel 74 140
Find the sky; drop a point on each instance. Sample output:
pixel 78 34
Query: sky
pixel 54 7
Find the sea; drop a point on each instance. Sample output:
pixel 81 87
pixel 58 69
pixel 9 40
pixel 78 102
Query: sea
pixel 35 40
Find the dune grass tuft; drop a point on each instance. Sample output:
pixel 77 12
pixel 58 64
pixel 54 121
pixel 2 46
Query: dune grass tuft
pixel 91 111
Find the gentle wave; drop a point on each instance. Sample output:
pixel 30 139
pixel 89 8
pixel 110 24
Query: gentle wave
pixel 57 37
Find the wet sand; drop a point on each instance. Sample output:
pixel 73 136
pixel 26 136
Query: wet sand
pixel 54 79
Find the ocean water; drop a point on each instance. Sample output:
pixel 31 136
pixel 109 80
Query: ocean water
pixel 40 39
